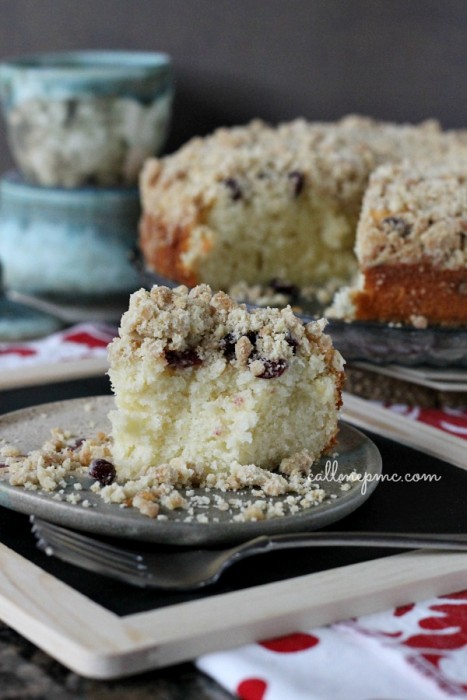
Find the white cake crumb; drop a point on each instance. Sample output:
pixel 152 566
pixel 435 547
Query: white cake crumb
pixel 73 498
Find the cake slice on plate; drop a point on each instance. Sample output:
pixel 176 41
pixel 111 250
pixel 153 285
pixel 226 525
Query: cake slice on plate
pixel 202 382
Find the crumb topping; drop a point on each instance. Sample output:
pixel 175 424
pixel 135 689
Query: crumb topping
pixel 335 158
pixel 410 215
pixel 184 328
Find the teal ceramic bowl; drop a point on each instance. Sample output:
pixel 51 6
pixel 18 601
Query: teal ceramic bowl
pixel 86 117
pixel 68 245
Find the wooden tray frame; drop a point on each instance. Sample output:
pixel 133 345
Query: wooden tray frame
pixel 94 642
pixel 99 644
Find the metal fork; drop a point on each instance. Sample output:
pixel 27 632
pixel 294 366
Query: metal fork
pixel 195 568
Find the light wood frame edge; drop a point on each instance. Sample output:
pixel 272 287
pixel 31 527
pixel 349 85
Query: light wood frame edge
pixel 96 643
pixel 420 436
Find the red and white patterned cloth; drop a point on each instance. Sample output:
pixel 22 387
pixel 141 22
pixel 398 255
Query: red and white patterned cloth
pixel 79 342
pixel 417 652
pixel 450 420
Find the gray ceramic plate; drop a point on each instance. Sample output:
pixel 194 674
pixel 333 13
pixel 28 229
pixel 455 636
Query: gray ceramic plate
pixel 30 427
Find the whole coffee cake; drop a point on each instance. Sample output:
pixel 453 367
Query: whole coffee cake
pixel 256 202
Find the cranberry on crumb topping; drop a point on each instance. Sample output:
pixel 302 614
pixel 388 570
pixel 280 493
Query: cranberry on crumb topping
pixel 227 345
pixel 103 471
pixel 293 342
pixel 182 358
pixel 228 342
pixel 398 224
pixel 272 368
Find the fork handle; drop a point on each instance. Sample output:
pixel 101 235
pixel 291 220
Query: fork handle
pixel 358 539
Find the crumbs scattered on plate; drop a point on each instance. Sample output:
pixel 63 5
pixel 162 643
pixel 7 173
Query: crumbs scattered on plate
pixel 70 468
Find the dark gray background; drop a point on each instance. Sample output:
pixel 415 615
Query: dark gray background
pixel 275 59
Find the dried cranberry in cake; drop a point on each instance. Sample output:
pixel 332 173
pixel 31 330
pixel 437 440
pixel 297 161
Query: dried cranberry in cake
pixel 272 369
pixel 293 342
pixel 234 188
pixel 3 465
pixel 252 337
pixel 284 287
pixel 77 444
pixel 183 358
pixel 229 341
pixel 297 178
pixel 103 471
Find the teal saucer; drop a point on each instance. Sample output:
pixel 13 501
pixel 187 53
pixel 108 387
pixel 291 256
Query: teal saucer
pixel 21 322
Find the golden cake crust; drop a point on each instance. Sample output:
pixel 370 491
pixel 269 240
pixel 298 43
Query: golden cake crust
pixel 164 245
pixel 418 294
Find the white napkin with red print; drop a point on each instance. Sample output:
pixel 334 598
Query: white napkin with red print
pixel 417 652
pixel 77 343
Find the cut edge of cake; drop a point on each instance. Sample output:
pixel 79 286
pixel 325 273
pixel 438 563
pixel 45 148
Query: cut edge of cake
pixel 411 247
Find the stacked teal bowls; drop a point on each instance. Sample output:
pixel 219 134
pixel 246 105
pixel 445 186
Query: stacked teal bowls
pixel 80 125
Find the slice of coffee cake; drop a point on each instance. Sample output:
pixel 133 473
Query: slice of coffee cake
pixel 203 383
